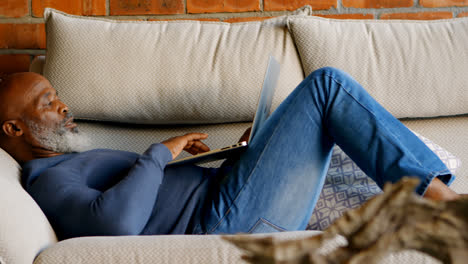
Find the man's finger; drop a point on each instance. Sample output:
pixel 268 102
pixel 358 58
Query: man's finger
pixel 201 146
pixel 195 136
pixel 197 148
pixel 194 150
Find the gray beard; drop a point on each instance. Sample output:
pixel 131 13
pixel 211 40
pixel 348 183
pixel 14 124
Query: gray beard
pixel 60 140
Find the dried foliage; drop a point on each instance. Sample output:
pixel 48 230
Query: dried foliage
pixel 396 220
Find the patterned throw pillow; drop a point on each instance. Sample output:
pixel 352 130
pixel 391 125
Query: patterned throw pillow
pixel 347 186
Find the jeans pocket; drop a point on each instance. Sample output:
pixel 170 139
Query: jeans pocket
pixel 264 226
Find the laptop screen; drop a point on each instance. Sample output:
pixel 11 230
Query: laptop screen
pixel 266 95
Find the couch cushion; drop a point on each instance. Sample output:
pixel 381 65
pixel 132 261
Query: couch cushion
pixel 138 138
pixel 413 68
pixel 166 72
pixel 194 249
pixel 206 249
pixel 24 229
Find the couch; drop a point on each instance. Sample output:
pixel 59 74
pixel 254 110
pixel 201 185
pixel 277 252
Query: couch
pixel 132 83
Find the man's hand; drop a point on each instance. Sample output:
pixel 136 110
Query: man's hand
pixel 190 142
pixel 246 135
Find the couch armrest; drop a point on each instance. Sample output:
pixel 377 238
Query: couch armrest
pixel 151 249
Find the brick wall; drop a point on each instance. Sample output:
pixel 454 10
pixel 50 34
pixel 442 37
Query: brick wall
pixel 22 34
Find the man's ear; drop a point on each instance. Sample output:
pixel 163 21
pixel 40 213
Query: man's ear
pixel 12 128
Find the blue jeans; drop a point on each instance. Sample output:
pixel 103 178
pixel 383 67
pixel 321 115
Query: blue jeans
pixel 274 185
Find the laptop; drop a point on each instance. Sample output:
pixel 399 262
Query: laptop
pixel 263 112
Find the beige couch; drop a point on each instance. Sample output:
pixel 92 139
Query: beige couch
pixel 130 82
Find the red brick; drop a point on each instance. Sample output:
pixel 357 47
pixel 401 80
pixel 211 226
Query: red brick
pixel 14 8
pixel 418 16
pixel 215 6
pixel 195 19
pixel 463 14
pixel 22 36
pixel 14 63
pixel 349 16
pixel 245 19
pixel 377 3
pixel 75 7
pixel 443 3
pixel 146 7
pixel 280 5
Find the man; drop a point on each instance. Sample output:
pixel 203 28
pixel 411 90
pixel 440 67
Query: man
pixel 272 186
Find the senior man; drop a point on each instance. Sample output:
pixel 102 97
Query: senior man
pixel 272 186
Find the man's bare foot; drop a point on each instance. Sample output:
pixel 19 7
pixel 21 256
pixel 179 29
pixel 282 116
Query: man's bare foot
pixel 438 191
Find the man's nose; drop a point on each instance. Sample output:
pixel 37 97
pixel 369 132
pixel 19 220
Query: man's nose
pixel 63 108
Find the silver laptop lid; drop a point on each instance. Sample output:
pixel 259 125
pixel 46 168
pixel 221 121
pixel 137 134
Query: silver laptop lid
pixel 266 96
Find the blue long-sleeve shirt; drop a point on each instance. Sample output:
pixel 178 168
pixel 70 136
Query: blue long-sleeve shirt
pixel 110 192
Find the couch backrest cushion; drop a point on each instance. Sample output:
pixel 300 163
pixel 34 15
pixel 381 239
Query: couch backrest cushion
pixel 413 68
pixel 24 229
pixel 166 72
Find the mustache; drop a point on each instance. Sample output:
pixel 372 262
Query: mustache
pixel 61 127
pixel 67 117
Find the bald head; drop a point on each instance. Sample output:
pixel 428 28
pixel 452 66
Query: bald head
pixel 34 122
pixel 16 92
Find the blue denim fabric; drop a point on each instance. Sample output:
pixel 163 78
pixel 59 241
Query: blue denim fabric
pixel 274 185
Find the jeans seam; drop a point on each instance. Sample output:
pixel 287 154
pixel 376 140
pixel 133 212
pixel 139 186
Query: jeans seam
pixel 344 88
pixel 263 220
pixel 248 178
